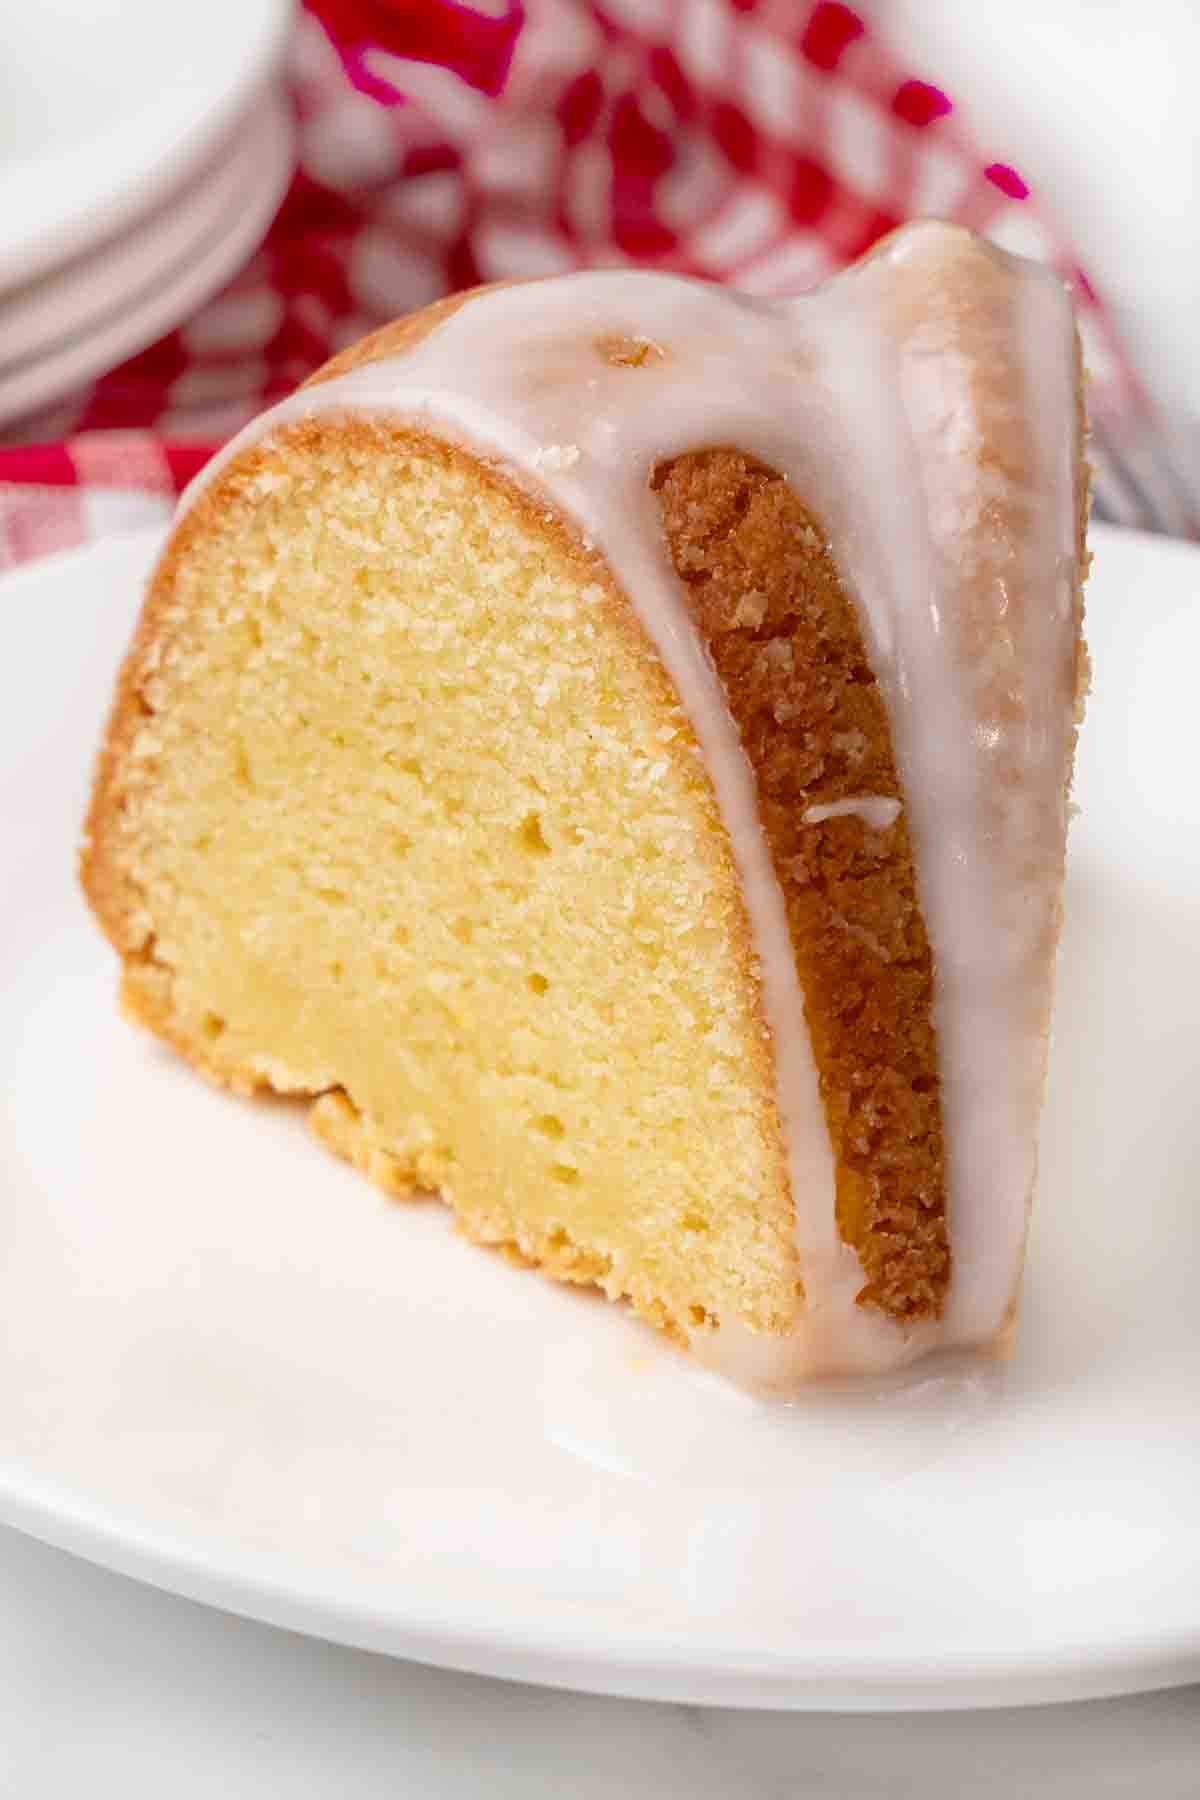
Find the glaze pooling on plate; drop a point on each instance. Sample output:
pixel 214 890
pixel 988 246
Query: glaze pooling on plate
pixel 924 406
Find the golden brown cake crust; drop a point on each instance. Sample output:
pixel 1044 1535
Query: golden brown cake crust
pixel 784 636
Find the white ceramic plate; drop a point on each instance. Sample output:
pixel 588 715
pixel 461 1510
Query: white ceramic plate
pixel 132 291
pixel 79 297
pixel 228 1366
pixel 109 105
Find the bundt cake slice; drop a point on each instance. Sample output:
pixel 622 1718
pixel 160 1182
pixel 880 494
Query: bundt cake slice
pixel 606 742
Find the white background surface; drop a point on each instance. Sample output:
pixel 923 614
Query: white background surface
pixel 109 1688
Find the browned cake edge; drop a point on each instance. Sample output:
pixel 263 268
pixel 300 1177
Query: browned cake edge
pixel 784 636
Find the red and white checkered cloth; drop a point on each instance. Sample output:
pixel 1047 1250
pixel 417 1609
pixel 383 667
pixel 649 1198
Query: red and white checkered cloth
pixel 763 143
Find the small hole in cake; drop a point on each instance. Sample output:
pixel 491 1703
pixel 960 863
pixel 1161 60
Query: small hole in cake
pixel 550 1125
pixel 463 930
pixel 557 1239
pixel 537 983
pixel 693 1221
pixel 336 971
pixel 565 1173
pixel 402 843
pixel 241 766
pixel 629 352
pixel 400 934
pixel 254 629
pixel 698 1315
pixel 532 836
pixel 213 1026
pixel 203 842
pixel 331 895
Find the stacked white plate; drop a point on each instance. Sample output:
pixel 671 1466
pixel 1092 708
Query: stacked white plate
pixel 142 159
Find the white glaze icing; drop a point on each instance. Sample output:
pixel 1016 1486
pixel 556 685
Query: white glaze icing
pixel 877 811
pixel 923 406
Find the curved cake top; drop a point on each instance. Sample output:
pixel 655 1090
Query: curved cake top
pixel 924 404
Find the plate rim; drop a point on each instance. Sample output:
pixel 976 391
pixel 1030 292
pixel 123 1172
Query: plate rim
pixel 659 1670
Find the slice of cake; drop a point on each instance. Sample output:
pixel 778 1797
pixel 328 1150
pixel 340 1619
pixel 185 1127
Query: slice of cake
pixel 606 741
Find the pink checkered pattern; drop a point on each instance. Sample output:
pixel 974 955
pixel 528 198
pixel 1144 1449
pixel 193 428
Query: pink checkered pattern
pixel 763 143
